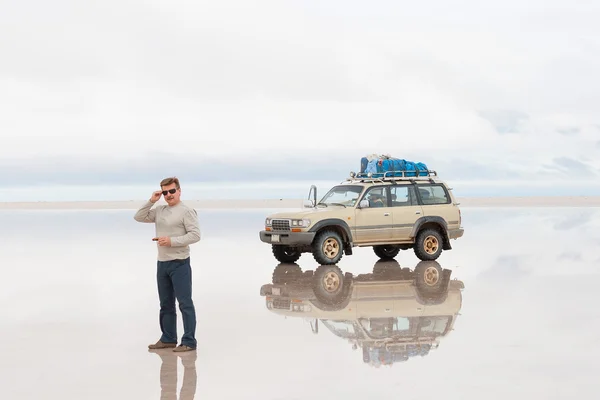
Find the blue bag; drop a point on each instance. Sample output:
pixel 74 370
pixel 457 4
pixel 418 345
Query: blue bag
pixel 397 167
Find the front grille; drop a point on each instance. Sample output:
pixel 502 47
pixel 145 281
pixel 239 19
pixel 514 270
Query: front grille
pixel 280 225
pixel 281 304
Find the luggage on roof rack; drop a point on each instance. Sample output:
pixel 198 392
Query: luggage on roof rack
pixel 384 165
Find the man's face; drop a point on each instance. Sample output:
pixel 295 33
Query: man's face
pixel 171 198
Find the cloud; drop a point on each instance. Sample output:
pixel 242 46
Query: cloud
pixel 467 177
pixel 570 256
pixel 569 131
pixel 576 221
pixel 146 167
pixel 571 167
pixel 505 121
pixel 507 268
pixel 255 79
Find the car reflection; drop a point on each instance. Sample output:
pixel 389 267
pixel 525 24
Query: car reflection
pixel 392 314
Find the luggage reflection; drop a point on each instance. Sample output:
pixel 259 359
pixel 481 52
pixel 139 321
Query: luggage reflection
pixel 392 313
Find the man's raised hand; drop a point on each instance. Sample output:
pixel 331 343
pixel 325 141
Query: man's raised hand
pixel 155 196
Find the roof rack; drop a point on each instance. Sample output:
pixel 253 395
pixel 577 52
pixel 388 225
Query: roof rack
pixel 392 176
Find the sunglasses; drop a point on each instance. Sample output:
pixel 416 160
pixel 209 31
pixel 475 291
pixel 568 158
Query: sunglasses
pixel 165 192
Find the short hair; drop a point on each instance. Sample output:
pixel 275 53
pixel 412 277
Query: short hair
pixel 169 181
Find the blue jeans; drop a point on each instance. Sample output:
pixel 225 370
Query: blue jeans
pixel 174 279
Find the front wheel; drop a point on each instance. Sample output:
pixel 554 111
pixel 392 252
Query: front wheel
pixel 286 273
pixel 329 284
pixel 286 254
pixel 328 247
pixel 428 245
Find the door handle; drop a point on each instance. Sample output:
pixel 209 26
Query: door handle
pixel 417 212
pixel 386 214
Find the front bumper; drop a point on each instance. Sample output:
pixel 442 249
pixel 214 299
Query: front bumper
pixel 287 237
pixel 300 291
pixel 455 233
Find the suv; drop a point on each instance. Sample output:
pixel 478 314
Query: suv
pixel 389 212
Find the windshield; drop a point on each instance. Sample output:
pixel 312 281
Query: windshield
pixel 345 195
pixel 417 327
pixel 381 328
pixel 344 329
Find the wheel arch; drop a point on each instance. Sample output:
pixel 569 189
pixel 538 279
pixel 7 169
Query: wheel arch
pixel 338 225
pixel 433 222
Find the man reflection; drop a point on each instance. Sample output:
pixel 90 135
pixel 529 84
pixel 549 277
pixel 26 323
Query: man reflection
pixel 168 374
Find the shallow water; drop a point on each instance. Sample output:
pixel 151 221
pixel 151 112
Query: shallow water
pixel 79 307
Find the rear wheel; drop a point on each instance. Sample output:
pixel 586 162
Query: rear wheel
pixel 328 247
pixel 286 254
pixel 431 282
pixel 428 245
pixel 429 275
pixel 386 251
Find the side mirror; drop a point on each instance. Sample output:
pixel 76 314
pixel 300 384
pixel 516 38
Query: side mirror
pixel 315 326
pixel 313 190
pixel 363 204
pixel 308 203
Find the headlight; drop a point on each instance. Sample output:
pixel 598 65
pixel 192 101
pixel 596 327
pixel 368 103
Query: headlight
pixel 268 222
pixel 301 223
pixel 301 307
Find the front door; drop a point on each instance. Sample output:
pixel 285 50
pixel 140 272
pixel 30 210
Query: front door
pixel 406 210
pixel 375 222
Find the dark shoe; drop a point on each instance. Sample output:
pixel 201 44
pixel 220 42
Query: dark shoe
pixel 161 345
pixel 182 347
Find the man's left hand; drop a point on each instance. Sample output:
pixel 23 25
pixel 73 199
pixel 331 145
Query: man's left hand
pixel 164 241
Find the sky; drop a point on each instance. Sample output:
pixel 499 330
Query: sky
pixel 124 93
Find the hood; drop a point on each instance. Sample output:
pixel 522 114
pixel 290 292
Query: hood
pixel 307 212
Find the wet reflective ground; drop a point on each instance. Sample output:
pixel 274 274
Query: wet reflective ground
pixel 513 314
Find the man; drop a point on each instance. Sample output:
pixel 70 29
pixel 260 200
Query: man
pixel 176 228
pixel 375 200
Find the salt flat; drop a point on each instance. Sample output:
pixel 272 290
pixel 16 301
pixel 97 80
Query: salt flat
pixel 79 306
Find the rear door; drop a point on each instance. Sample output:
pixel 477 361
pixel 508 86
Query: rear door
pixel 436 201
pixel 405 209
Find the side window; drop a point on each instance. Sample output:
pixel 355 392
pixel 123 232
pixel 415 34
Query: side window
pixel 433 194
pixel 403 195
pixel 377 197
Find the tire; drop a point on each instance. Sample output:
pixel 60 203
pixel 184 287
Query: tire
pixel 428 245
pixel 429 276
pixel 387 270
pixel 386 251
pixel 328 247
pixel 431 283
pixel 286 272
pixel 285 254
pixel 329 284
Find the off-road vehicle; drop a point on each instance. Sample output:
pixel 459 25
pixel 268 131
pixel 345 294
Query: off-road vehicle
pixel 391 212
pixel 393 313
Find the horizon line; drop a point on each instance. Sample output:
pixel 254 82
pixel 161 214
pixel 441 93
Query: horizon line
pixel 467 201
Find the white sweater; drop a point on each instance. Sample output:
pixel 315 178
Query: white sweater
pixel 179 222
